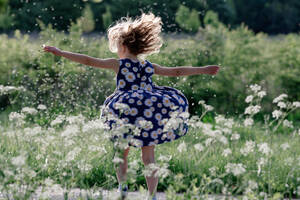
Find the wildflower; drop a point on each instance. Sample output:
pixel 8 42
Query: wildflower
pixel 235 136
pixel 199 147
pixel 288 123
pixel 261 94
pixel 252 109
pixel 248 122
pixel 181 147
pixel 249 99
pixel 235 169
pixel 264 148
pixel 18 161
pixel 58 120
pixel 79 119
pixel 281 104
pixel 16 116
pixel 164 158
pixel 296 104
pixel 285 146
pixel 208 107
pixel 41 107
pixel 31 111
pixel 276 114
pixel 121 106
pixel 255 88
pixel 280 98
pixel 226 152
pixel 249 147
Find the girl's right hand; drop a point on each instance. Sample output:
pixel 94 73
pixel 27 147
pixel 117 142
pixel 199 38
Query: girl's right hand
pixel 54 50
pixel 212 69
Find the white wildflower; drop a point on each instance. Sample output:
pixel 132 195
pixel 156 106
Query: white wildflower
pixel 41 107
pixel 261 94
pixel 249 148
pixel 276 114
pixel 181 147
pixel 16 116
pixel 296 104
pixel 281 104
pixel 18 161
pixel 248 121
pixel 235 136
pixel 164 158
pixel 208 107
pixel 252 185
pixel 249 99
pixel 209 141
pixel 285 146
pixel 288 123
pixel 264 148
pixel 72 154
pixel 252 109
pixel 255 88
pixel 79 119
pixel 288 161
pixel 121 106
pixel 27 110
pixel 280 98
pixel 235 169
pixel 58 120
pixel 199 147
pixel 70 130
pixel 226 152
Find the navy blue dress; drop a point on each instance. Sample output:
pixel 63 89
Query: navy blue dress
pixel 146 101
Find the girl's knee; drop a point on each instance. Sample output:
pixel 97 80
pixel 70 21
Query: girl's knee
pixel 148 155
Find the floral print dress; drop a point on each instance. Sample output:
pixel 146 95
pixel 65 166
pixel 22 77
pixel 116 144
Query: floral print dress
pixel 146 102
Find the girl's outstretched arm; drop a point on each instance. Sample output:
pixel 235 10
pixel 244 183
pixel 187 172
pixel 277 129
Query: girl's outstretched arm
pixel 184 71
pixel 110 63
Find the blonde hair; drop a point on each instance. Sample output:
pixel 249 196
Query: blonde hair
pixel 140 36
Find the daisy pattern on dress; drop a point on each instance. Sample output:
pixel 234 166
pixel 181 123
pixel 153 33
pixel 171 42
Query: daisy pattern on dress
pixel 158 116
pixel 149 69
pixel 133 111
pixel 127 64
pixel 131 101
pixel 147 113
pixel 148 87
pixel 148 102
pixel 121 83
pixel 143 63
pixel 166 102
pixel 143 85
pixel 163 111
pixel 154 135
pixel 130 77
pixel 145 134
pixel 137 121
pixel 124 71
pixel 134 87
pixel 154 98
pixel 144 78
pixel 139 102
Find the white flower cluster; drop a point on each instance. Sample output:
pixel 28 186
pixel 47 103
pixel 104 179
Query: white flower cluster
pixel 10 89
pixel 251 110
pixel 235 169
pixel 28 110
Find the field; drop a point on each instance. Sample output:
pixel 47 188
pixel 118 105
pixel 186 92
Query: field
pixel 243 133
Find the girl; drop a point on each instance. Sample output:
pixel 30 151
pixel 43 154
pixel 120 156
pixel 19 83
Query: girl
pixel 131 39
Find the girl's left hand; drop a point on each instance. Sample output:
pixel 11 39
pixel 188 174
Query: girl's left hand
pixel 212 69
pixel 54 50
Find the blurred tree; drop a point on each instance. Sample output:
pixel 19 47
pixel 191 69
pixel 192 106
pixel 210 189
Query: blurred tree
pixel 107 18
pixel 3 4
pixel 187 20
pixel 87 19
pixel 211 18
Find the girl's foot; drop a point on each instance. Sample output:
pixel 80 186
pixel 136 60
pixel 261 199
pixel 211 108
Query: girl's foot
pixel 153 197
pixel 123 189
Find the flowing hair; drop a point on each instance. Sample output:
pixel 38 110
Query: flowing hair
pixel 140 36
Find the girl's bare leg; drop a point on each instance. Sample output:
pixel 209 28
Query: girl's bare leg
pixel 122 169
pixel 148 157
